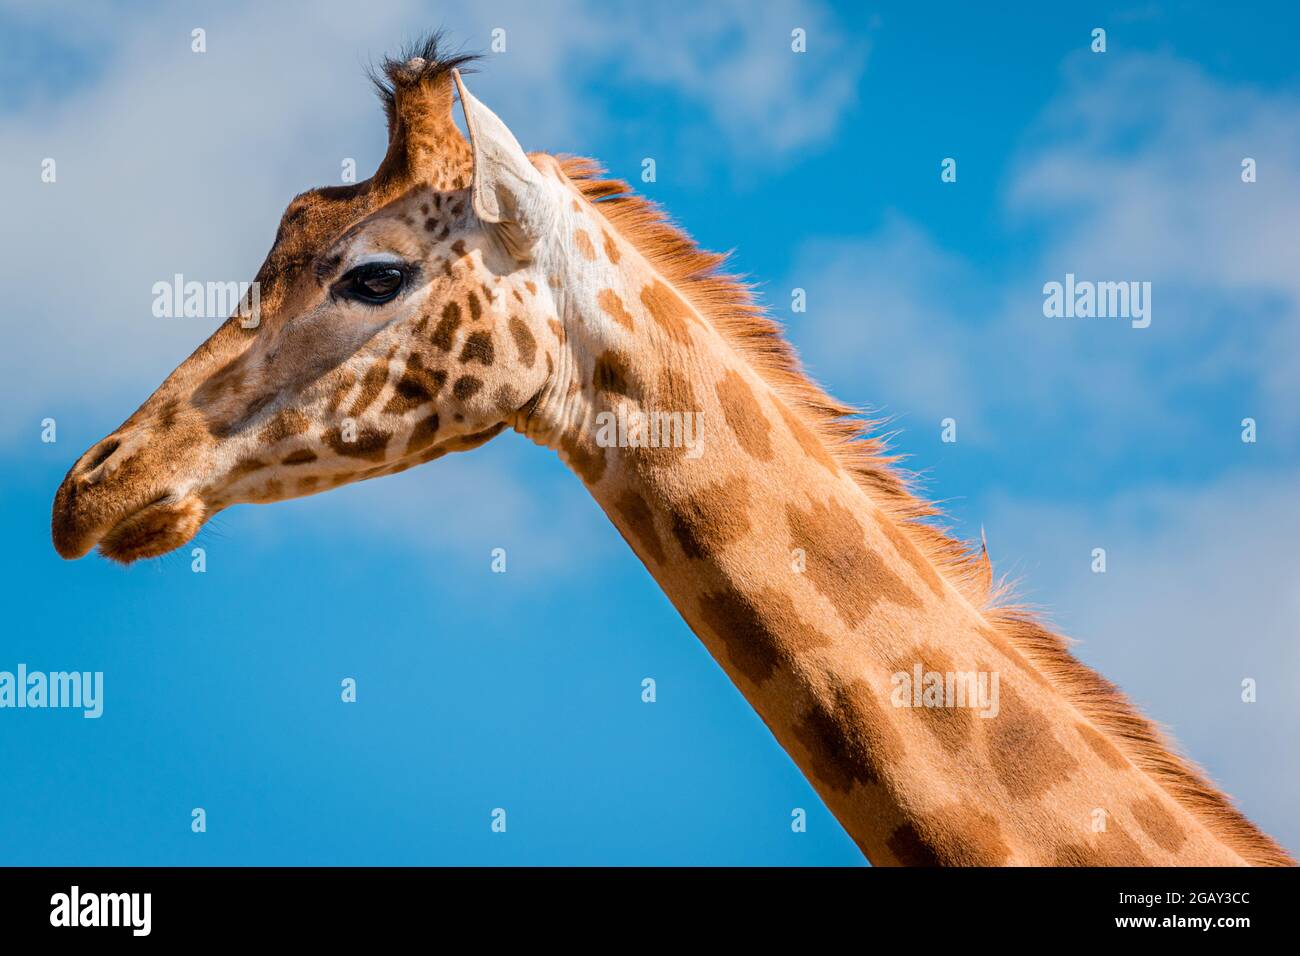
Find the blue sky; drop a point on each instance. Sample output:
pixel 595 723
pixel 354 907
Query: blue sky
pixel 522 691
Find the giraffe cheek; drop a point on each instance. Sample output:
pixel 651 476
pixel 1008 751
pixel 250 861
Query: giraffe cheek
pixel 467 406
pixel 424 434
pixel 465 388
pixel 361 440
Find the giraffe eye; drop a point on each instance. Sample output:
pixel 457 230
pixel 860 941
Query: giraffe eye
pixel 373 283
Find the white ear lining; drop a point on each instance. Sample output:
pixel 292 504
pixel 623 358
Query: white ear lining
pixel 503 174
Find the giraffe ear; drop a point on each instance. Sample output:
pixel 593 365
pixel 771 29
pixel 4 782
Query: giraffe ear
pixel 507 189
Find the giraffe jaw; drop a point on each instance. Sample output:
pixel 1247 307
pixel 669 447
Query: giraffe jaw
pixel 153 530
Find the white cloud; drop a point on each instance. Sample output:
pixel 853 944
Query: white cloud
pixel 735 59
pixel 1138 175
pixel 892 319
pixel 1132 174
pixel 1150 153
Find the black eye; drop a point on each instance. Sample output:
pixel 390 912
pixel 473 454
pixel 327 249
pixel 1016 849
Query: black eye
pixel 374 283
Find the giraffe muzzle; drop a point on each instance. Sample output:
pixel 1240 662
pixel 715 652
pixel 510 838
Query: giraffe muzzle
pixel 106 499
pixel 159 527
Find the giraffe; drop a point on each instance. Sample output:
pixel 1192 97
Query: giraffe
pixel 469 287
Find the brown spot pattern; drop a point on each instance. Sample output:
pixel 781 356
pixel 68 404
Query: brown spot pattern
pixel 167 414
pixel 372 383
pixel 611 248
pixel 909 552
pixel 422 436
pixel 371 444
pixel 417 386
pixel 466 387
pixel 1102 747
pixel 612 376
pixel 244 467
pixel 668 311
pixel 525 344
pixel 1025 754
pixel 1159 824
pixel 478 348
pixel 444 333
pixel 639 522
pixel 588 461
pixel 951 726
pixel 758 633
pixel 674 391
pixel 346 380
pixel 583 242
pixel 839 564
pixel 505 398
pixel 848 736
pixel 744 416
pixel 955 835
pixel 612 306
pixel 810 443
pixel 1110 847
pixel 1012 653
pixel 286 424
pixel 707 522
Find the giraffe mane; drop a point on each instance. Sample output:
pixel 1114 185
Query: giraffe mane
pixel 728 302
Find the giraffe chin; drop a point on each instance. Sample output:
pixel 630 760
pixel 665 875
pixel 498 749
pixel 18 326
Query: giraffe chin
pixel 154 530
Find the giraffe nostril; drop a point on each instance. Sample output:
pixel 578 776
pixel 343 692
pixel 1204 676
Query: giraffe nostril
pixel 102 455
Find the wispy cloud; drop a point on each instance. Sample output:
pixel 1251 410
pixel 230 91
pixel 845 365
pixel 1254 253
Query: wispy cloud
pixel 1137 173
pixel 1133 174
pixel 894 321
pixel 735 59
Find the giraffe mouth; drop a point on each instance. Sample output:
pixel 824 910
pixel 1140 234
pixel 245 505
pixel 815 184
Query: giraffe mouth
pixel 162 525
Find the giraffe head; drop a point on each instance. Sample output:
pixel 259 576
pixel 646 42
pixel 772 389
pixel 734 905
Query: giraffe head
pixel 400 318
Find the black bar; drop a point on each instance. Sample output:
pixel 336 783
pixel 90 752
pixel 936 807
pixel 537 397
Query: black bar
pixel 330 905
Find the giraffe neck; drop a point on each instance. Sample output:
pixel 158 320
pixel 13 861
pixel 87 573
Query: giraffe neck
pixel 843 637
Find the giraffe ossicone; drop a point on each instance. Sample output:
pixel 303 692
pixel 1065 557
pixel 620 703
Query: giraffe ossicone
pixel 468 288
